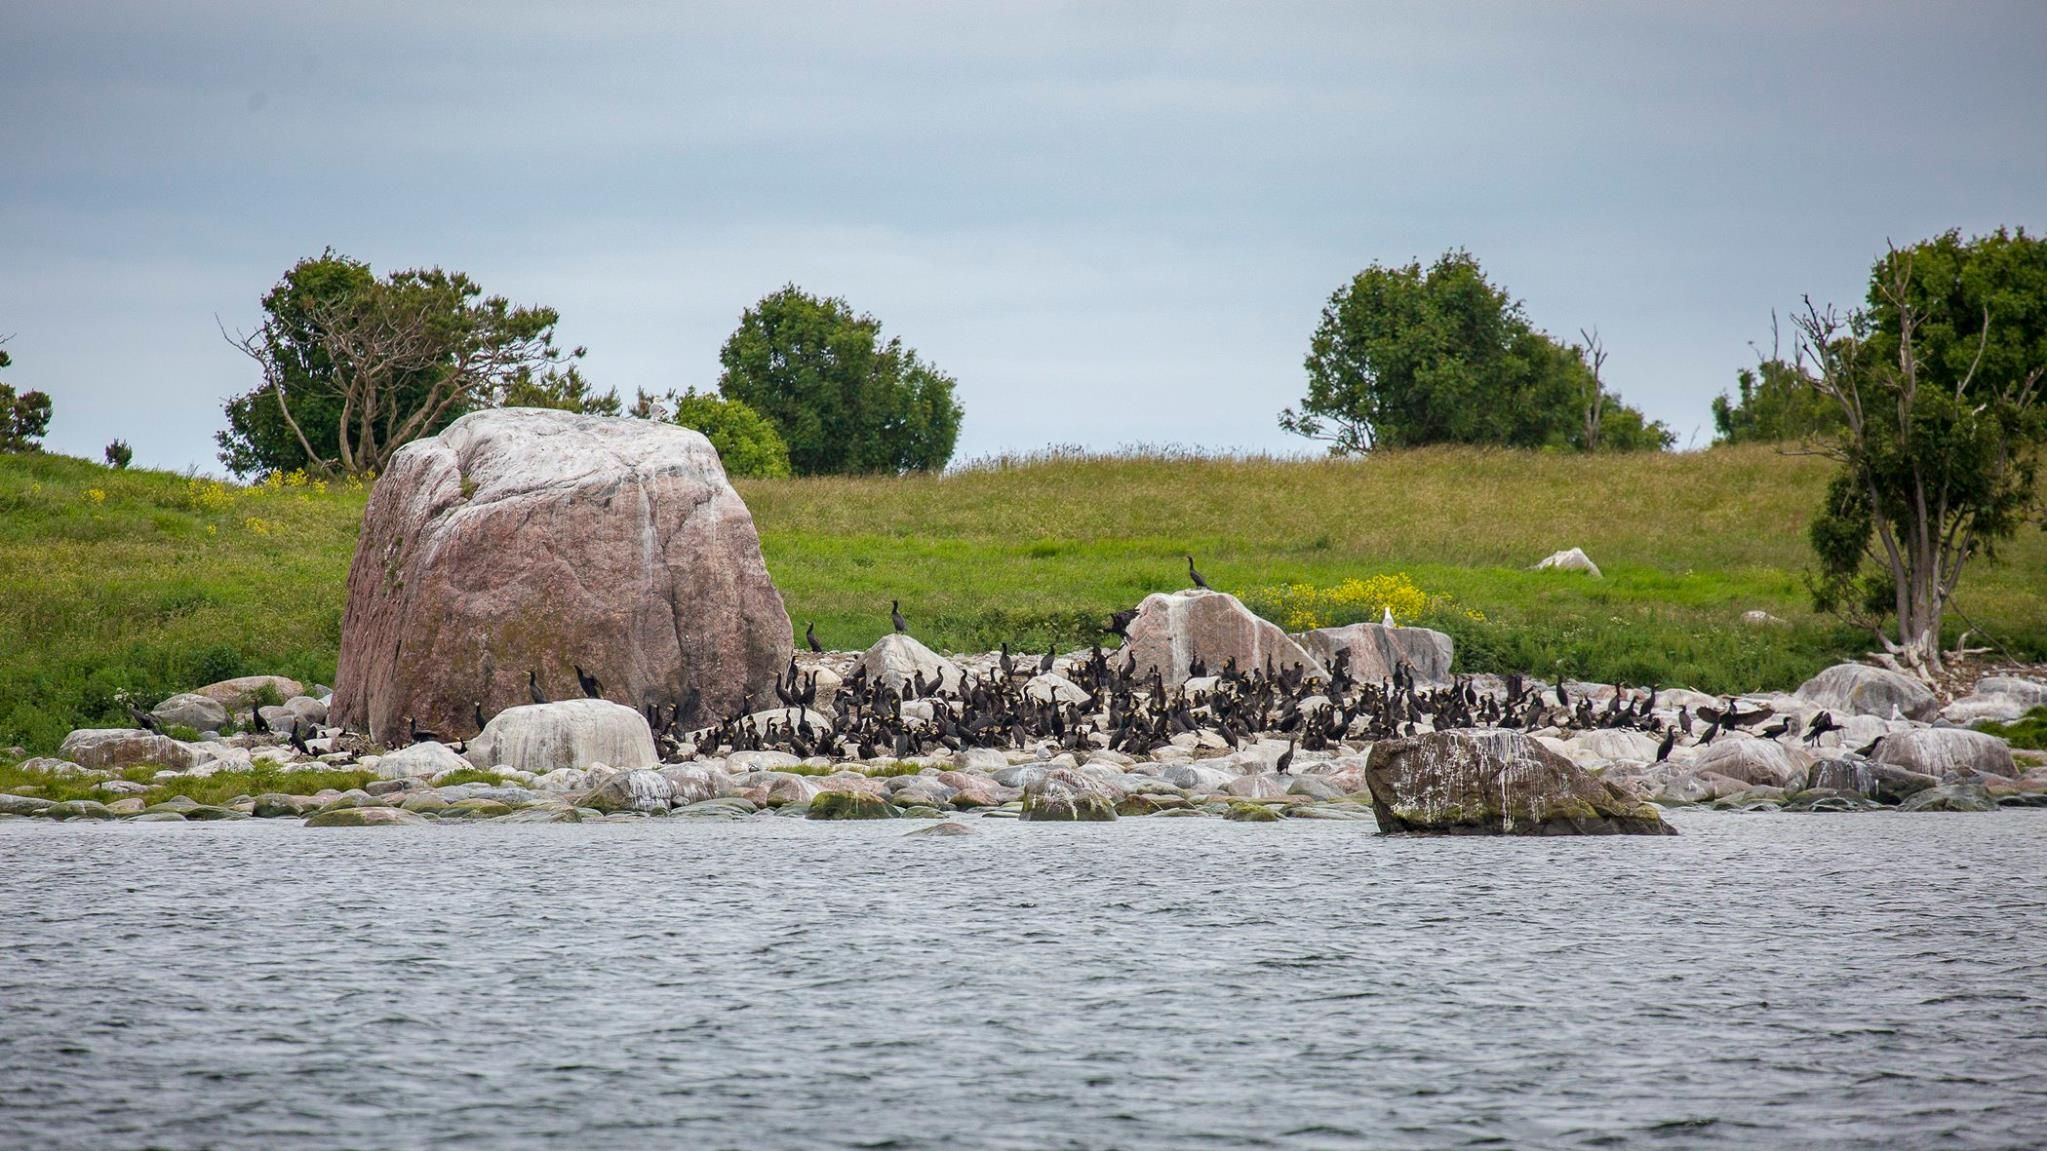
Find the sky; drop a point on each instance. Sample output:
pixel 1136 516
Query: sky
pixel 1112 223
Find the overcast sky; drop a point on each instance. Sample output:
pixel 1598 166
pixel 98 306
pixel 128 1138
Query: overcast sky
pixel 1113 223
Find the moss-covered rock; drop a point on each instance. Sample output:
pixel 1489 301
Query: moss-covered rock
pixel 363 817
pixel 1244 811
pixel 851 805
pixel 78 809
pixel 1065 795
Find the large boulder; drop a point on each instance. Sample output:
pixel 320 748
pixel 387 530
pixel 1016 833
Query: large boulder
pixel 1945 752
pixel 1757 762
pixel 1173 629
pixel 190 710
pixel 1997 699
pixel 125 747
pixel 896 659
pixel 1859 689
pixel 1064 795
pixel 1375 650
pixel 540 737
pixel 1491 781
pixel 643 791
pixel 523 540
pixel 419 761
pixel 238 693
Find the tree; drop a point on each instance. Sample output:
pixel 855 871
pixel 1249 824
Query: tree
pixel 1775 402
pixel 747 443
pixel 354 367
pixel 1937 384
pixel 1406 356
pixel 119 454
pixel 842 400
pixel 24 417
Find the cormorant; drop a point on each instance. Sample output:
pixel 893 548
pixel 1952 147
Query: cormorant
pixel 1669 741
pixel 533 686
pixel 478 705
pixel 256 720
pixel 1286 758
pixel 810 636
pixel 143 719
pixel 895 616
pixel 1045 665
pixel 1119 622
pixel 1195 575
pixel 1821 725
pixel 591 687
pixel 419 734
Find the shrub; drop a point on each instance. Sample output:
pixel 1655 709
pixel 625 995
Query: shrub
pixel 119 454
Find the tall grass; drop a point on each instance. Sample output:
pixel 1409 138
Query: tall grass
pixel 159 583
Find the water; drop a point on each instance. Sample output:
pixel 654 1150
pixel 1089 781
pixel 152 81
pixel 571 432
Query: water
pixel 1760 981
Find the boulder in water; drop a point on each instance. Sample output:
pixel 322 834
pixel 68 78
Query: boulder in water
pixel 1944 752
pixel 851 805
pixel 1951 797
pixel 541 737
pixel 1173 629
pixel 1491 781
pixel 1066 795
pixel 523 540
pixel 641 790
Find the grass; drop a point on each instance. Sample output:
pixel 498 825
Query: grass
pixel 135 584
pixel 2029 731
pixel 214 789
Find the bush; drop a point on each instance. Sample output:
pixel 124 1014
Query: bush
pixel 119 454
pixel 747 443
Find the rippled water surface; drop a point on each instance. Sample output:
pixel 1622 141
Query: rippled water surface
pixel 1759 981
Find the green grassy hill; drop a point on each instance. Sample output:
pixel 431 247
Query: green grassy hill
pixel 150 582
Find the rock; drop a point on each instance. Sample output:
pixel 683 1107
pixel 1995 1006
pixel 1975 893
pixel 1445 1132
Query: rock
pixel 77 809
pixel 543 737
pixel 1756 617
pixel 1846 775
pixel 1065 795
pixel 190 710
pixel 363 817
pixel 524 539
pixel 1046 688
pixel 420 761
pixel 895 659
pixel 1897 784
pixel 1490 781
pixel 1263 785
pixel 947 828
pixel 1942 752
pixel 1573 560
pixel 237 694
pixel 1375 650
pixel 125 747
pixel 309 711
pixel 1952 797
pixel 1758 762
pixel 276 805
pixel 693 783
pixel 278 719
pixel 640 790
pixel 1171 629
pixel 850 805
pixel 1859 689
pixel 1244 811
pixel 1997 699
pixel 23 804
pixel 1611 743
pixel 1188 777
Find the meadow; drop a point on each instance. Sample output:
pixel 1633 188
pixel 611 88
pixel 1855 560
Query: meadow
pixel 119 585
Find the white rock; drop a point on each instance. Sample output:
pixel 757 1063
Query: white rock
pixel 1573 560
pixel 540 737
pixel 419 761
pixel 1859 689
pixel 1046 688
pixel 896 658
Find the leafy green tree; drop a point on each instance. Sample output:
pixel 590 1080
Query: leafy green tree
pixel 1406 356
pixel 1774 402
pixel 1937 384
pixel 746 442
pixel 24 417
pixel 354 366
pixel 842 399
pixel 119 454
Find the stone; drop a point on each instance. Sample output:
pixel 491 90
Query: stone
pixel 1951 797
pixel 522 539
pixel 238 693
pixel 1053 686
pixel 1375 650
pixel 639 790
pixel 1244 811
pixel 1944 752
pixel 23 804
pixel 1491 781
pixel 419 761
pixel 1997 699
pixel 1571 560
pixel 1897 784
pixel 543 737
pixel 1758 762
pixel 1065 795
pixel 851 805
pixel 125 747
pixel 310 711
pixel 363 817
pixel 191 710
pixel 77 809
pixel 896 659
pixel 1859 689
pixel 1608 743
pixel 1172 629
pixel 947 828
pixel 694 783
pixel 1756 617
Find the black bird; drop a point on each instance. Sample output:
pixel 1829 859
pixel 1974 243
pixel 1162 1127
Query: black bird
pixel 480 725
pixel 895 616
pixel 1669 741
pixel 1869 749
pixel 1286 759
pixel 810 637
pixel 419 734
pixel 143 719
pixel 1195 575
pixel 1119 622
pixel 298 742
pixel 533 686
pixel 1045 665
pixel 591 687
pixel 256 720
pixel 1821 725
pixel 1684 720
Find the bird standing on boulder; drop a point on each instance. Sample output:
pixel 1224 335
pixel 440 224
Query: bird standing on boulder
pixel 533 686
pixel 1821 725
pixel 480 724
pixel 1286 759
pixel 810 636
pixel 143 719
pixel 591 688
pixel 1669 741
pixel 1195 575
pixel 895 616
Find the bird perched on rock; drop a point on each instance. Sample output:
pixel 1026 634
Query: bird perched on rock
pixel 591 688
pixel 1195 575
pixel 533 686
pixel 420 734
pixel 1286 759
pixel 1821 725
pixel 1045 665
pixel 256 720
pixel 1669 741
pixel 895 616
pixel 1119 622
pixel 1386 619
pixel 810 636
pixel 143 719
pixel 480 724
